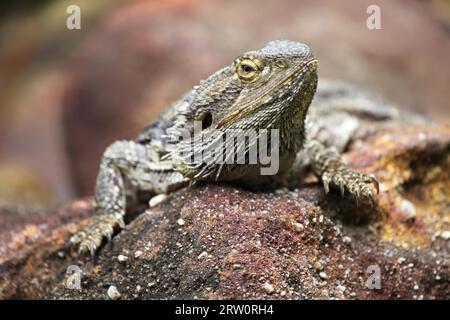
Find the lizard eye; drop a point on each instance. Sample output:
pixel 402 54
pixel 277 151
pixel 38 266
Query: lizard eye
pixel 247 70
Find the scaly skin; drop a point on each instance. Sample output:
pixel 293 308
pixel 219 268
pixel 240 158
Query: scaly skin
pixel 271 88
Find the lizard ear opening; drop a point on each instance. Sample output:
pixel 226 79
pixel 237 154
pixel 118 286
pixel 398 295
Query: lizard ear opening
pixel 206 119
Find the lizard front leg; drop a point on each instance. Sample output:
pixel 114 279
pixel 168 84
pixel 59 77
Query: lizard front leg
pixel 328 165
pixel 126 166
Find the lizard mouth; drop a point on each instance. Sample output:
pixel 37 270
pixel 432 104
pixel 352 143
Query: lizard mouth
pixel 253 105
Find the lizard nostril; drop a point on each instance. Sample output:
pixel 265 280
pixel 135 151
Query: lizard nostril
pixel 206 120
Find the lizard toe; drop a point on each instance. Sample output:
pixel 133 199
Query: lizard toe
pixel 358 185
pixel 101 227
pixel 326 180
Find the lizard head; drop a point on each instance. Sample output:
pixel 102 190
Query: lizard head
pixel 270 88
pixel 271 84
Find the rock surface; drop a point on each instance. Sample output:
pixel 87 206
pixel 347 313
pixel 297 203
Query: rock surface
pixel 224 242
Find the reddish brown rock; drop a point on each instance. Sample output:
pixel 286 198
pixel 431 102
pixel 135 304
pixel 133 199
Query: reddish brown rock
pixel 217 241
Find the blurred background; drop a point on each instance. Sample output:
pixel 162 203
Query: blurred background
pixel 66 94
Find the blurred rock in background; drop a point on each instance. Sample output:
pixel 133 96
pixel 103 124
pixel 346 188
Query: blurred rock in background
pixel 65 95
pixel 35 50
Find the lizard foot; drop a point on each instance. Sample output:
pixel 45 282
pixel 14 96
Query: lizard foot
pixel 90 238
pixel 359 185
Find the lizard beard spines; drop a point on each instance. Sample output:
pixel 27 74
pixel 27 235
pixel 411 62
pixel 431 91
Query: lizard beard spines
pixel 213 153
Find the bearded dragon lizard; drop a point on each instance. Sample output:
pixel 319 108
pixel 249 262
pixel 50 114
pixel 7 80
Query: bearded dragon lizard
pixel 270 88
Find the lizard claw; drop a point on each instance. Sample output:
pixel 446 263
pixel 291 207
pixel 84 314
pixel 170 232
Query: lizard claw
pixel 358 185
pixel 341 186
pixel 375 182
pixel 326 182
pixel 85 247
pixel 101 227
